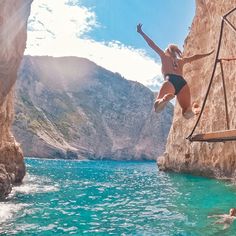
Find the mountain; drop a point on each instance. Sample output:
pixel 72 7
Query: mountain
pixel 71 108
pixel 155 83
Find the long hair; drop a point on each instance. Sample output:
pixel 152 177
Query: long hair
pixel 174 51
pixel 234 211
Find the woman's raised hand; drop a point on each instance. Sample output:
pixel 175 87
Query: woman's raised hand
pixel 139 28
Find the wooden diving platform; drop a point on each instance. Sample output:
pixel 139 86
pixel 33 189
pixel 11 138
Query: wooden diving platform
pixel 217 136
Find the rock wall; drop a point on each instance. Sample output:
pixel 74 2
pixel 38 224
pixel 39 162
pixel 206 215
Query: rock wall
pixel 13 29
pixel 208 159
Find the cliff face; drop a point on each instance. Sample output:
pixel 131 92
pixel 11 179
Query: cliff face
pixel 13 23
pixel 71 108
pixel 210 159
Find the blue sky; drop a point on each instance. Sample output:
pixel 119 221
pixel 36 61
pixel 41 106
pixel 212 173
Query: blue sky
pixel 165 21
pixel 104 31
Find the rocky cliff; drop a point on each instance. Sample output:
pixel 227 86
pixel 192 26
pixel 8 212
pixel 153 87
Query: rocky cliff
pixel 209 159
pixel 13 23
pixel 70 107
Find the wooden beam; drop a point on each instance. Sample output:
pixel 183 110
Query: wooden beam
pixel 218 136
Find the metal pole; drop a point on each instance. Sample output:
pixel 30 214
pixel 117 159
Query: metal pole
pixel 214 69
pixel 229 12
pixel 225 95
pixel 229 24
pixel 212 76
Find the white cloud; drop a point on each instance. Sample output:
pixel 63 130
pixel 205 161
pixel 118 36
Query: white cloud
pixel 56 28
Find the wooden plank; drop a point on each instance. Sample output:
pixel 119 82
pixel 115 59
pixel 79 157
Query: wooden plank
pixel 218 136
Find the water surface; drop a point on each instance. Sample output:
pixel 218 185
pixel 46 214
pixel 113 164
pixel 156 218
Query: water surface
pixel 113 198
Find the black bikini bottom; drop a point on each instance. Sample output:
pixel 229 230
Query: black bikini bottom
pixel 177 81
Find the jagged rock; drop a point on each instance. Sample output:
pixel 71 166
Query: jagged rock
pixel 70 154
pixel 73 104
pixel 12 157
pixel 5 182
pixel 209 159
pixel 13 23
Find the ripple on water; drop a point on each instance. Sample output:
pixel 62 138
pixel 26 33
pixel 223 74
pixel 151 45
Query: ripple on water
pixel 8 210
pixel 11 209
pixel 116 198
pixel 35 184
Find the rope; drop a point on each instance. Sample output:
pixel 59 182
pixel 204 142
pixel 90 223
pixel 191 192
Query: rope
pixel 214 69
pixel 225 96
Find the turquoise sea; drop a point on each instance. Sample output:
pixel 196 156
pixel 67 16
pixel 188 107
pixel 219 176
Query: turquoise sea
pixel 114 198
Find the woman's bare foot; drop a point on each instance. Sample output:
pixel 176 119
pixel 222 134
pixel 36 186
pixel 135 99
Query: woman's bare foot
pixel 161 103
pixel 188 114
pixel 194 111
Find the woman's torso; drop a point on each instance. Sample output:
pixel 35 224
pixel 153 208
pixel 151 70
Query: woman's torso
pixel 171 66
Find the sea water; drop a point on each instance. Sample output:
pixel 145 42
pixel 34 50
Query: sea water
pixel 114 198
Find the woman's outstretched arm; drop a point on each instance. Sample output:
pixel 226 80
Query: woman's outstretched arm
pixel 196 57
pixel 215 216
pixel 149 41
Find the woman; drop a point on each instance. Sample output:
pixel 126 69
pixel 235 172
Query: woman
pixel 172 70
pixel 226 219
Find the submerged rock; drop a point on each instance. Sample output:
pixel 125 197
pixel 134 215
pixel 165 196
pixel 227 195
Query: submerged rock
pixel 209 159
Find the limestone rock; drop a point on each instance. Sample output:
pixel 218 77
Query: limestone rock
pixel 13 23
pixel 214 159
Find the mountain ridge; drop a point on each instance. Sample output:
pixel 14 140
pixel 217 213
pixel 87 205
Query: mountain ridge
pixel 69 107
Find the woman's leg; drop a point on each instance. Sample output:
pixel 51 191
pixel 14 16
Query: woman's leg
pixel 166 88
pixel 184 99
pixel 166 93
